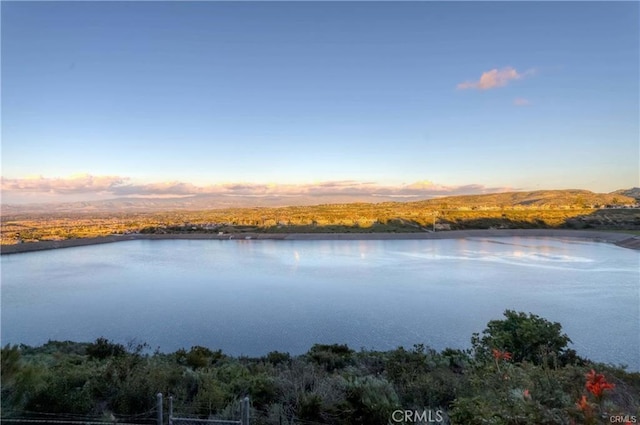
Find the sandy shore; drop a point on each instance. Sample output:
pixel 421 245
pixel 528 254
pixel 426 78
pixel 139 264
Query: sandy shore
pixel 625 240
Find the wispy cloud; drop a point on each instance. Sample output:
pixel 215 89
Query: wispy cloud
pixel 495 78
pixel 520 101
pixel 118 187
pixel 81 183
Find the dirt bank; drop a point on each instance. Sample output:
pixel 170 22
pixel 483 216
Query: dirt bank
pixel 625 240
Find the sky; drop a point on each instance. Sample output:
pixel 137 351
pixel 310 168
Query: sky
pixel 413 99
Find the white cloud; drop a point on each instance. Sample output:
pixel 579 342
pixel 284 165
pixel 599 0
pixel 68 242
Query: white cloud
pixel 494 78
pixel 116 186
pixel 520 101
pixel 82 183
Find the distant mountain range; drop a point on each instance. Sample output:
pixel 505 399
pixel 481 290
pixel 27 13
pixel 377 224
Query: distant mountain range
pixel 540 198
pixel 191 203
pixel 634 192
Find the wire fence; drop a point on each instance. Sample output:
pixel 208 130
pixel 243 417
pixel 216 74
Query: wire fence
pixel 56 421
pixel 193 421
pixel 145 418
pixel 32 417
pixel 178 420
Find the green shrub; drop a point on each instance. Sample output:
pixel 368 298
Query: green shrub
pixel 198 357
pixel 526 337
pixel 103 348
pixel 276 358
pixel 372 400
pixel 332 357
pixel 10 358
pixel 65 391
pixel 310 407
pixel 330 384
pixel 211 396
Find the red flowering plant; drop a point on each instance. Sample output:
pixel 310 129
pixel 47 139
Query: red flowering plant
pixel 499 355
pixel 587 410
pixel 597 383
pixel 583 404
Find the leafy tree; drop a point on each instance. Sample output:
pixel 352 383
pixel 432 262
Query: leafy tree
pixel 526 337
pixel 199 357
pixel 103 348
pixel 332 357
pixel 276 357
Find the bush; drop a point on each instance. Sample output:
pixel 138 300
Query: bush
pixel 212 395
pixel 371 400
pixel 331 384
pixel 332 357
pixel 10 357
pixel 103 348
pixel 198 357
pixel 64 390
pixel 526 337
pixel 276 357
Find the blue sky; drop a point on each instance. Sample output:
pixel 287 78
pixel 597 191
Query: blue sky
pixel 101 99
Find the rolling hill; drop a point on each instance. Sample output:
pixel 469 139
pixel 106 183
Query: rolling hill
pixel 539 199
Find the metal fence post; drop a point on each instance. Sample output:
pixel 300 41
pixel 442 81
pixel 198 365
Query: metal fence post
pixel 159 398
pixel 170 410
pixel 245 411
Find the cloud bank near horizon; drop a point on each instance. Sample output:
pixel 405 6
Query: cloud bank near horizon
pixel 43 189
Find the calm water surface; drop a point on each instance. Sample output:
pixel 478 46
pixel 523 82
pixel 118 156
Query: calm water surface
pixel 252 297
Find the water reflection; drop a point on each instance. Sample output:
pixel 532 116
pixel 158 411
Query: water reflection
pixel 251 297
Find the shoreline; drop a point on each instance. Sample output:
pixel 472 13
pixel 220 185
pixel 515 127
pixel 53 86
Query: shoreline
pixel 624 240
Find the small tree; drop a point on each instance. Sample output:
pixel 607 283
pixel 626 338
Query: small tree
pixel 10 363
pixel 103 348
pixel 526 337
pixel 332 357
pixel 198 357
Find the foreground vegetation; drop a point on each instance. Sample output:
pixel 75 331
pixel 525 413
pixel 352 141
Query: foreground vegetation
pixel 518 371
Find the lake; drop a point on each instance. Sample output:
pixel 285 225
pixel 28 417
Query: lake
pixel 254 296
